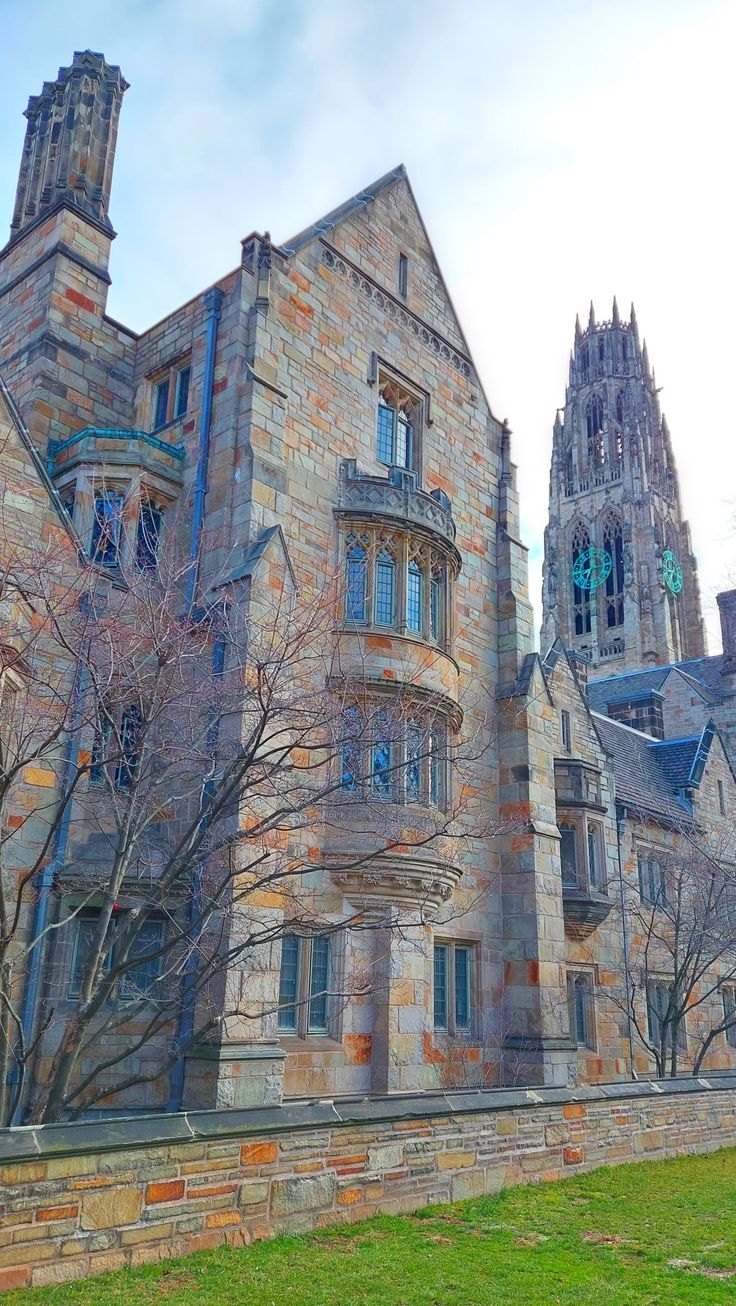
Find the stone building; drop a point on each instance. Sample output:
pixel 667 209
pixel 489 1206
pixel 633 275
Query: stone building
pixel 317 411
pixel 620 578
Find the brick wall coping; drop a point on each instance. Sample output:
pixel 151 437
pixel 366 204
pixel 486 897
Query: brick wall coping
pixel 29 1142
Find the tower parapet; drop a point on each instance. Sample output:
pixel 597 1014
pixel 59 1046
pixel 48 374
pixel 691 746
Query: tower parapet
pixel 620 579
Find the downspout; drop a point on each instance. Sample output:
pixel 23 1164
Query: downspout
pixel 213 303
pixel 185 1023
pixel 620 818
pixel 45 883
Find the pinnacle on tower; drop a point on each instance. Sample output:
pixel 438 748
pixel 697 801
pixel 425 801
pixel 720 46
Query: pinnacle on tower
pixel 578 328
pixel 645 361
pixel 591 317
pixel 634 323
pixel 615 319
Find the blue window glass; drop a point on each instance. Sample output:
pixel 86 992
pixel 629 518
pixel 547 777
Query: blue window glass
pixel 289 981
pixel 414 756
pixel 100 753
pixel 181 401
pixel 462 987
pixel 357 572
pixel 319 981
pixel 350 750
pixel 440 985
pixel 160 404
pixel 85 931
pixel 385 605
pixel 106 528
pixel 144 964
pixel 436 767
pixel 435 608
pixel 382 760
pixel 414 597
pixel 130 735
pixel 150 523
pixel 404 434
pixel 385 434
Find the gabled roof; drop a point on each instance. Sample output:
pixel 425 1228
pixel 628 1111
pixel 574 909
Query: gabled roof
pixel 642 783
pixel 703 675
pixel 345 210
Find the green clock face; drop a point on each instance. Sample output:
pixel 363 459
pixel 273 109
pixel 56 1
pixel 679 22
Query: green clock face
pixel 591 568
pixel 672 571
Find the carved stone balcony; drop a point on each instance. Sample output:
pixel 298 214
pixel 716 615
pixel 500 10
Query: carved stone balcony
pixel 395 499
pixel 578 784
pixel 583 910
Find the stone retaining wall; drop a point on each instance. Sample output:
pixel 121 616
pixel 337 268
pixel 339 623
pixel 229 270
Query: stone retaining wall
pixel 77 1200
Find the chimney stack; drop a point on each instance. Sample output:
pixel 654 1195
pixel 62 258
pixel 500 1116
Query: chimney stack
pixel 727 609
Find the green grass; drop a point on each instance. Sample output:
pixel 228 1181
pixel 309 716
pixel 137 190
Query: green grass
pixel 663 1232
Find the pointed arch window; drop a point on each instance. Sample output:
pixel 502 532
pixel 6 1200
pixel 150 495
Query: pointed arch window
pixel 620 406
pixel 580 597
pixel 612 539
pixel 594 429
pixel 396 427
pixel 601 348
pixel 624 348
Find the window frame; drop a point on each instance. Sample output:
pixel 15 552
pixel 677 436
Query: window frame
pixel 373 555
pixel 154 509
pixel 582 980
pixel 105 494
pixel 361 740
pixel 729 1012
pixel 402 276
pixel 584 829
pixel 450 948
pixel 168 380
pixel 659 983
pixel 566 729
pixel 304 993
pixel 649 857
pixel 405 400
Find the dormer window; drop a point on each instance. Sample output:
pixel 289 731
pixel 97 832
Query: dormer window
pixel 396 426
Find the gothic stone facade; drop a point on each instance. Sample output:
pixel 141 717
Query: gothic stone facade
pixel 319 395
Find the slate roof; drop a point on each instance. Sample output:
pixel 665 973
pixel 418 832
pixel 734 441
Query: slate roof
pixel 643 781
pixel 676 757
pixel 704 673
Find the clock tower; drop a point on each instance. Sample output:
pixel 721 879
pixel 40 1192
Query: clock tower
pixel 620 579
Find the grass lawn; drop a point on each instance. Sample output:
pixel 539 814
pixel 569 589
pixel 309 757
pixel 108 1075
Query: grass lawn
pixel 663 1232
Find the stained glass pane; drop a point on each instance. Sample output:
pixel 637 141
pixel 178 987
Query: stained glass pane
pixel 289 981
pixel 414 597
pixel 462 987
pixel 440 985
pixel 385 434
pixel 355 598
pixel 385 590
pixel 319 981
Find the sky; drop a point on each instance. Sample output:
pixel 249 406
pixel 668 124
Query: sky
pixel 560 151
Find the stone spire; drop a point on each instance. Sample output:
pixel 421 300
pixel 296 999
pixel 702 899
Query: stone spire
pixel 620 581
pixel 70 141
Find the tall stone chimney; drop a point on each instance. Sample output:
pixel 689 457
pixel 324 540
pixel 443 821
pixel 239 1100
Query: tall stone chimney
pixel 69 148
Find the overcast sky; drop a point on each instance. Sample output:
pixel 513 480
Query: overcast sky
pixel 560 151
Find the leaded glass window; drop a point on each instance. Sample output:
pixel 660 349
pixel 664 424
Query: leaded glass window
pixel 289 981
pixel 652 881
pixel 319 983
pixel 181 401
pixel 729 1015
pixel 107 527
pixel 596 876
pixel 581 1010
pixel 382 779
pixel 350 750
pixel 663 1022
pixel 414 757
pixel 385 600
pixel 161 404
pixel 453 987
pixel 304 984
pixel 356 589
pixel 613 544
pixel 144 961
pixel 130 735
pixel 150 526
pixel 580 597
pixel 414 597
pixel 569 855
pixel 396 425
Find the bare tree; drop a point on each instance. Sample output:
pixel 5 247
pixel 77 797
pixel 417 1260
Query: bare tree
pixel 682 959
pixel 191 768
